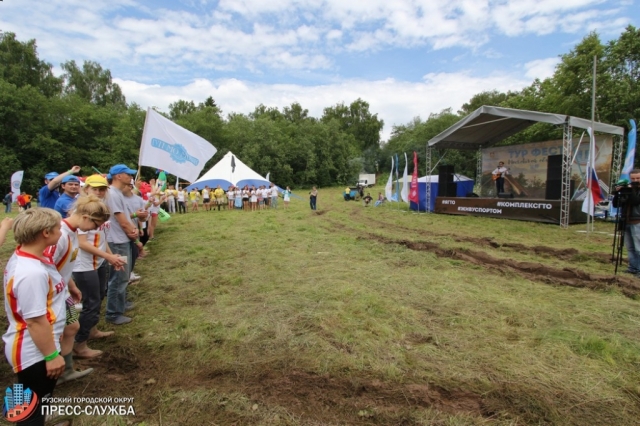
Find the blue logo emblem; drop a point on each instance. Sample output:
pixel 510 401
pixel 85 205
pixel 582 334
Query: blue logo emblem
pixel 177 152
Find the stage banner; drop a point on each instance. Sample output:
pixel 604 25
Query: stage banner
pixel 528 165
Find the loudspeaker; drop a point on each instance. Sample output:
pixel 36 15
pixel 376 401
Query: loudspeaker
pixel 505 195
pixel 554 189
pixel 554 167
pixel 446 186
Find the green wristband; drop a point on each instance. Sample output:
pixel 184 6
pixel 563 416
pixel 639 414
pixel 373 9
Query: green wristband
pixel 52 356
pixel 70 171
pixel 135 215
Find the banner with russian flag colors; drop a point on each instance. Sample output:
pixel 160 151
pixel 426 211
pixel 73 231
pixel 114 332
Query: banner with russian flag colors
pixel 413 194
pixel 594 192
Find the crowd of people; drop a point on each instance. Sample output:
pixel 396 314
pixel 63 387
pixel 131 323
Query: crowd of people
pixel 248 198
pixel 76 249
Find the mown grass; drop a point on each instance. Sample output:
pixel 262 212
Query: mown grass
pixel 298 318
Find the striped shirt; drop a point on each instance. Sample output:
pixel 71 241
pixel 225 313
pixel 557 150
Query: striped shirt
pixel 32 288
pixel 64 253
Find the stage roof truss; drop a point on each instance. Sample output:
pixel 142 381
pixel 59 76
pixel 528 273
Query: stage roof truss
pixel 488 125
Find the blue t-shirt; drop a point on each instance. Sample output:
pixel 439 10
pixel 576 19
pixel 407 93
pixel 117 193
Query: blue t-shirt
pixel 63 205
pixel 48 198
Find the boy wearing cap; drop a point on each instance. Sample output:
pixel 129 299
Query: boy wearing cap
pixel 48 194
pixel 71 188
pixel 119 237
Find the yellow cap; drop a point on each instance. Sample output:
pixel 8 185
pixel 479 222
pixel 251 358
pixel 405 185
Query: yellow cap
pixel 96 181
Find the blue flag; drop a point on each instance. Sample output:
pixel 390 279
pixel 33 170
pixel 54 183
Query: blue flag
pixel 631 152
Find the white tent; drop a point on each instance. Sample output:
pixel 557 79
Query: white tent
pixel 435 178
pixel 229 171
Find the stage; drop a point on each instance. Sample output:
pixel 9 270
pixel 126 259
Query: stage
pixel 531 210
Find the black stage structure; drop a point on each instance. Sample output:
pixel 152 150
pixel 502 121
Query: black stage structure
pixel 489 125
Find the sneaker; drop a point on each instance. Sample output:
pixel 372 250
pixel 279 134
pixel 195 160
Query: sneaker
pixel 120 320
pixel 134 277
pixel 129 306
pixel 70 375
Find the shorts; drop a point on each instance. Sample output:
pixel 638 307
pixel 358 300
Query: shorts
pixel 72 312
pixel 154 214
pixel 205 200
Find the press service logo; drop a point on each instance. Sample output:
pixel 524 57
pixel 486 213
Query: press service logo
pixel 19 404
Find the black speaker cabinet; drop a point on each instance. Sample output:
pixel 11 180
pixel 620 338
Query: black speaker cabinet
pixel 554 189
pixel 554 168
pixel 446 186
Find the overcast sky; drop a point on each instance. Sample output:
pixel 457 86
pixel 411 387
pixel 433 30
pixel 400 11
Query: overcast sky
pixel 406 58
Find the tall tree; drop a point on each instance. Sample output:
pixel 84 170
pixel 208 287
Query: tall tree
pixel 20 65
pixel 92 83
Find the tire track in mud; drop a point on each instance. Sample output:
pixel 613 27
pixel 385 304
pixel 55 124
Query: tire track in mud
pixel 533 271
pixel 569 254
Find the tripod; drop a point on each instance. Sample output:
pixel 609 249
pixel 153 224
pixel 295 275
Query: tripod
pixel 618 235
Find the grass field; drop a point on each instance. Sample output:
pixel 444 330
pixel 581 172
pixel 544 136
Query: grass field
pixel 363 316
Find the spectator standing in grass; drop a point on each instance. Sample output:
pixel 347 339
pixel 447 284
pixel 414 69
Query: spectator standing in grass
pixel 274 196
pixel 286 195
pixel 86 214
pixel 21 202
pixel 121 232
pixel 8 201
pixel 71 188
pixel 193 199
pixel 182 200
pixel 90 272
pixel 313 197
pixel 49 194
pixel 171 194
pixel 367 199
pixel 35 300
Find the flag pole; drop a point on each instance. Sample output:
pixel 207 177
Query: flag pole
pixel 593 136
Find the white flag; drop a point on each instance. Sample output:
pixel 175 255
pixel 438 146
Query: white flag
pixel 405 182
pixel 388 190
pixel 16 181
pixel 167 146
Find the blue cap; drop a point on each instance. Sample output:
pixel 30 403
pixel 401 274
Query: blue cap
pixel 121 168
pixel 70 178
pixel 51 175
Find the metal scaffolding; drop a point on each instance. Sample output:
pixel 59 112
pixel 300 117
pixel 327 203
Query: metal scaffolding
pixel 616 166
pixel 565 196
pixel 477 188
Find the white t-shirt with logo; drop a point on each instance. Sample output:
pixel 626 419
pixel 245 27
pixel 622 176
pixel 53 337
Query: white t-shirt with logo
pixel 32 288
pixel 97 238
pixel 65 253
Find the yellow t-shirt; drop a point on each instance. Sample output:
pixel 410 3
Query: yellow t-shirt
pixel 219 192
pixel 193 195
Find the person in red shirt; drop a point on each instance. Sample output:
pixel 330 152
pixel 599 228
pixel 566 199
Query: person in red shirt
pixel 21 201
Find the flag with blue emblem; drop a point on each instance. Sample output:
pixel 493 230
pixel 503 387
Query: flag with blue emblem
pixel 168 146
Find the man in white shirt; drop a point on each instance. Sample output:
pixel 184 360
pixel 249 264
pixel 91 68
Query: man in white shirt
pixel 274 196
pixel 498 175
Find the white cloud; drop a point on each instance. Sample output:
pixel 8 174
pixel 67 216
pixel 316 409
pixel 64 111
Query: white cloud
pixel 246 34
pixel 541 68
pixel 396 102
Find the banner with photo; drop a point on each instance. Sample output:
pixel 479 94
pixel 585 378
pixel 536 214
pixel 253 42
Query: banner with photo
pixel 527 165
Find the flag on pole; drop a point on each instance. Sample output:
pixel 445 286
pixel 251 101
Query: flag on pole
pixel 267 177
pixel 413 194
pixel 16 182
pixel 388 190
pixel 167 146
pixel 405 181
pixel 631 152
pixel 233 164
pixel 594 192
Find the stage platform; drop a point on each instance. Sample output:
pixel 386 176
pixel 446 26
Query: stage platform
pixel 530 210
